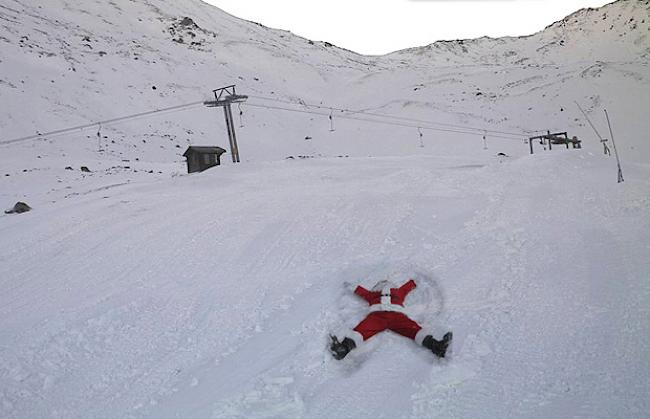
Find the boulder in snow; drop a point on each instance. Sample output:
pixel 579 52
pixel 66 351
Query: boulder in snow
pixel 19 208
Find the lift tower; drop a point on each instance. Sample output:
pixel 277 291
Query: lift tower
pixel 224 97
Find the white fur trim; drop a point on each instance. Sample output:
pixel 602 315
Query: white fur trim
pixel 419 337
pixel 386 295
pixel 387 307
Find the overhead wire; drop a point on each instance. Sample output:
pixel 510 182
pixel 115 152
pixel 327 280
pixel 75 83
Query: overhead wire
pixel 377 121
pixel 301 103
pixel 101 123
pixel 348 114
pixel 379 114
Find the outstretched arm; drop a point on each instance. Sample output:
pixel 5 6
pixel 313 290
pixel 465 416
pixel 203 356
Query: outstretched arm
pixel 363 293
pixel 407 287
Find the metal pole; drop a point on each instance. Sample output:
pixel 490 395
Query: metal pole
pixel 229 128
pixel 550 147
pixel 99 138
pixel 618 162
pixel 235 149
pixel 530 142
pixel 224 97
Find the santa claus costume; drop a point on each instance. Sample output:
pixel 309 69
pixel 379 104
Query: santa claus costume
pixel 387 313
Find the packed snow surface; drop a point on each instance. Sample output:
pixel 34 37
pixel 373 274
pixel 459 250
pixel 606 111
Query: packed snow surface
pixel 212 295
pixel 134 290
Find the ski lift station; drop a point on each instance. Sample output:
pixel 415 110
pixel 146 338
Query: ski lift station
pixel 200 158
pixel 558 138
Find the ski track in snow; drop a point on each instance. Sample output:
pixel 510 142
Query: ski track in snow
pixel 134 291
pixel 221 303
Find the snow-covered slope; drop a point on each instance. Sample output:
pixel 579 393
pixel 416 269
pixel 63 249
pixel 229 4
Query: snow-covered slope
pixel 70 63
pixel 615 32
pixel 212 295
pixel 67 63
pixel 134 290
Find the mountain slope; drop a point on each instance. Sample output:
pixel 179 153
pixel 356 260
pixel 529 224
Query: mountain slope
pixel 68 63
pixel 78 63
pixel 615 32
pixel 135 290
pixel 212 295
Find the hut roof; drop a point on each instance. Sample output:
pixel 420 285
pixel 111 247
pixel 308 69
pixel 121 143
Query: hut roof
pixel 203 150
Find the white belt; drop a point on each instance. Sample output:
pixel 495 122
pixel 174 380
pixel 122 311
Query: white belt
pixel 387 307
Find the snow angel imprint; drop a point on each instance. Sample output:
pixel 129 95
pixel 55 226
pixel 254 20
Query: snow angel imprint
pixel 387 313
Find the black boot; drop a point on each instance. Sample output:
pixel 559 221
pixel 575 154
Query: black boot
pixel 341 349
pixel 438 347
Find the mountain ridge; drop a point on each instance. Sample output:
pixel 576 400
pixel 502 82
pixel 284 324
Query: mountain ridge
pixel 77 63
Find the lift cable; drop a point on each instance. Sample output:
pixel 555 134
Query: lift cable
pixel 102 123
pixel 376 121
pixel 385 115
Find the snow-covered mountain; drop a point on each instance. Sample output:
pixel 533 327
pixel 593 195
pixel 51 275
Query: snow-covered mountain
pixel 134 290
pixel 615 32
pixel 68 63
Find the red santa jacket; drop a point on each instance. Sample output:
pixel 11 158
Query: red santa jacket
pixel 388 299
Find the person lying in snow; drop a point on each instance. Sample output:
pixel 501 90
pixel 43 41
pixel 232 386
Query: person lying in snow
pixel 387 312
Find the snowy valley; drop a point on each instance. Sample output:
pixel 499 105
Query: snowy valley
pixel 136 290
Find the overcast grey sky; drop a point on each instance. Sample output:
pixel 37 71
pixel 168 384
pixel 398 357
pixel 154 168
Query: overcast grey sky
pixel 382 26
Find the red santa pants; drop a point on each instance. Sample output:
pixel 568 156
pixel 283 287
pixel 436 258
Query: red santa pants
pixel 392 320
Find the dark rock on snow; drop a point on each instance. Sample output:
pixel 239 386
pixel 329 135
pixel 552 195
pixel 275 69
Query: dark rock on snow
pixel 19 208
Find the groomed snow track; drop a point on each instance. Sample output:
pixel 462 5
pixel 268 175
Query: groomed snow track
pixel 212 295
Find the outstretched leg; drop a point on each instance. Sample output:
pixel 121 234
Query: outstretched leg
pixel 370 326
pixel 373 323
pixel 402 324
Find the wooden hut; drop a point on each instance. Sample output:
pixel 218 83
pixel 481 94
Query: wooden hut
pixel 200 158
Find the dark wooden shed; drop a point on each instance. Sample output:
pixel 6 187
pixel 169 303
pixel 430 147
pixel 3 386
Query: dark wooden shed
pixel 200 158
